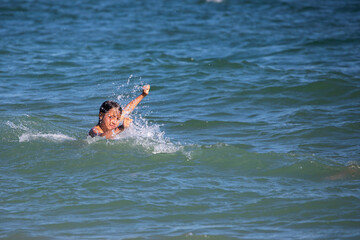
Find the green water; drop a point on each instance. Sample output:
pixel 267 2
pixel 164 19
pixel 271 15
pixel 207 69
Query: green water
pixel 250 131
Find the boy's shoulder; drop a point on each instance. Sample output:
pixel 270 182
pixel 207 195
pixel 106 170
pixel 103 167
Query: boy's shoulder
pixel 96 131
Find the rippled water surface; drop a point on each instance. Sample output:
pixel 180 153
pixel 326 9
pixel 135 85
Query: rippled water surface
pixel 251 129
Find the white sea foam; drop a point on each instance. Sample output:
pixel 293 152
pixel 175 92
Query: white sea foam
pixel 54 137
pixel 14 126
pixel 149 136
pixel 215 1
pixel 29 134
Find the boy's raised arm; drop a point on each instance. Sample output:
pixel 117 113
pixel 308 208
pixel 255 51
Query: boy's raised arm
pixel 132 105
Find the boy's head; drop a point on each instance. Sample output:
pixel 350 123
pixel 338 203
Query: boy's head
pixel 107 105
pixel 109 115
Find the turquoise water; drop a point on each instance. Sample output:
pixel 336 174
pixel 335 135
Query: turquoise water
pixel 251 129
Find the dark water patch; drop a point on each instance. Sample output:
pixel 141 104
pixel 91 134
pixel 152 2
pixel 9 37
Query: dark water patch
pixel 223 63
pixel 26 235
pixel 310 93
pixel 64 64
pixel 328 42
pixel 41 75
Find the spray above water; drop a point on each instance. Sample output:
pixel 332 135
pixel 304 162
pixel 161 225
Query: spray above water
pixel 149 136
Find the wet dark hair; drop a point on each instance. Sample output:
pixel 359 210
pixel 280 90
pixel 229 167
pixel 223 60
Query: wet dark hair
pixel 107 105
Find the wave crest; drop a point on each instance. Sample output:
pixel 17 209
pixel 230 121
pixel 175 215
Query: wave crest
pixel 27 134
pixel 26 137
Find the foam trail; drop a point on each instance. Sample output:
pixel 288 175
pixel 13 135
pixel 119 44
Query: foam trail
pixel 30 135
pixel 55 137
pixel 14 126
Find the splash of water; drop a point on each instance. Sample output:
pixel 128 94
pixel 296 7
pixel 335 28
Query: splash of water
pixel 149 136
pixel 141 132
pixel 125 92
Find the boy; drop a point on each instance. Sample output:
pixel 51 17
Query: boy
pixel 111 114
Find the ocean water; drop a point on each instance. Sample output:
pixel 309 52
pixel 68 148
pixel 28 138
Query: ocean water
pixel 251 129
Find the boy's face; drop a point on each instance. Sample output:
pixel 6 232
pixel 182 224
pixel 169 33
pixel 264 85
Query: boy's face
pixel 110 120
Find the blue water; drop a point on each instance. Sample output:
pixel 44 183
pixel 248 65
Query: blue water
pixel 251 129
